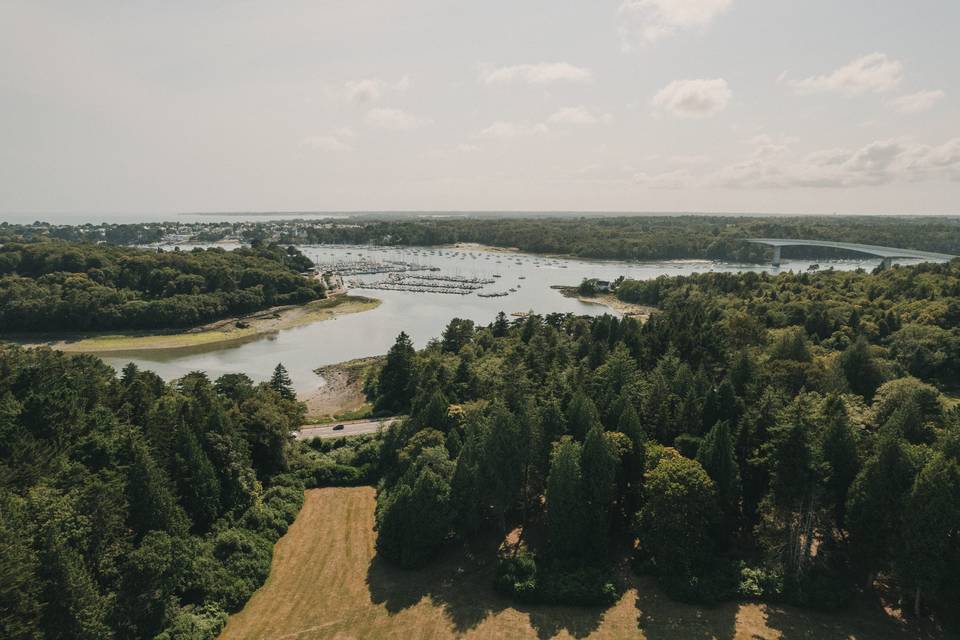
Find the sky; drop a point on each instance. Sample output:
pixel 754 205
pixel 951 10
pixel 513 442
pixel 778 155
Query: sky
pixel 806 106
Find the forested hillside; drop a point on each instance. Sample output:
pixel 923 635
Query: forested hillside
pixel 62 286
pixel 782 438
pixel 131 508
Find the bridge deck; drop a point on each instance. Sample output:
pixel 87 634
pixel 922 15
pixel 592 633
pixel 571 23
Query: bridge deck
pixel 870 249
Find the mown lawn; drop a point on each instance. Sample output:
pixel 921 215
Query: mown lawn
pixel 326 583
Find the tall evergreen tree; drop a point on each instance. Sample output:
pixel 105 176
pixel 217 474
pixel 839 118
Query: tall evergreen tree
pixel 397 378
pixel 599 463
pixel 280 382
pixel 196 480
pixel 839 452
pixel 566 517
pixel 716 455
pixel 582 415
pixel 930 524
pixel 877 504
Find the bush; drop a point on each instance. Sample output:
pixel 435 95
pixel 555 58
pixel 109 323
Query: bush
pixel 328 474
pixel 244 563
pixel 200 623
pixel 518 577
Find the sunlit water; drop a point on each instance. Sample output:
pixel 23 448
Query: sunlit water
pixel 421 315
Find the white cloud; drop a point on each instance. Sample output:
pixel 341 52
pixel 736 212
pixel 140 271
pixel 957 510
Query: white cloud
pixel 369 90
pixel 395 119
pixel 917 102
pixel 676 179
pixel 646 21
pixel 467 148
pixel 326 143
pixel 878 163
pixel 363 91
pixel 875 73
pixel 504 129
pixel 578 116
pixel 541 73
pixel 693 98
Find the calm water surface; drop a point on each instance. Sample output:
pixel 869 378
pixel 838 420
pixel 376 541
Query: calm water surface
pixel 421 315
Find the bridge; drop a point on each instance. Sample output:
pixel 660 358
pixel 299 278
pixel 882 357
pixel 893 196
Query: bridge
pixel 888 254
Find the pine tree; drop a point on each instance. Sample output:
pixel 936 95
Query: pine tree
pixel 635 462
pixel 599 464
pixel 503 462
pixel 877 504
pixel 152 503
pixel 280 382
pixel 716 455
pixel 397 378
pixel 582 415
pixel 196 480
pixel 466 492
pixel 934 518
pixel 839 452
pixel 75 608
pixel 565 502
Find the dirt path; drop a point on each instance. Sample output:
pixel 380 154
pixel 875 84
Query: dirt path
pixel 327 584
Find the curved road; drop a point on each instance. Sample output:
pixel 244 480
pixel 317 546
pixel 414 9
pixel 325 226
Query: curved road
pixel 350 428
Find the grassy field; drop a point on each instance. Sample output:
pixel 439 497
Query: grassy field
pixel 327 583
pixel 221 332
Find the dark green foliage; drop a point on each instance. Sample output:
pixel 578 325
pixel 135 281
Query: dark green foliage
pixel 130 508
pixel 566 515
pixel 780 440
pixel 397 380
pixel 280 382
pixel 716 456
pixel 523 579
pixel 58 286
pixel 582 416
pixel 877 504
pixel 679 517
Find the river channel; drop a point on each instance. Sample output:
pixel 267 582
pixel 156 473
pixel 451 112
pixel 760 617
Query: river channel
pixel 421 315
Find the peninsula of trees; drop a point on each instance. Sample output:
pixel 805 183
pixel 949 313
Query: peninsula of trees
pixel 68 286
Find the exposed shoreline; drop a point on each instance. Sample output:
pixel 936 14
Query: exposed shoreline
pixel 342 391
pixel 611 302
pixel 218 332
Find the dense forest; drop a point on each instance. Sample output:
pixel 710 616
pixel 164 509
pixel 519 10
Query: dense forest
pixel 65 286
pixel 131 508
pixel 651 237
pixel 790 438
pixel 635 237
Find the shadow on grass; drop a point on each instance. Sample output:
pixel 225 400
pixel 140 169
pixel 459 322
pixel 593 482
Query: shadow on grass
pixel 660 618
pixel 461 582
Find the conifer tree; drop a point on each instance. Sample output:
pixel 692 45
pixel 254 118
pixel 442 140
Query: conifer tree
pixel 280 382
pixel 716 455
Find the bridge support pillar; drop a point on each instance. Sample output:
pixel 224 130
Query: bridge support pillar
pixel 886 263
pixel 776 256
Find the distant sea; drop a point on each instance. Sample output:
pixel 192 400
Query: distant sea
pixel 251 216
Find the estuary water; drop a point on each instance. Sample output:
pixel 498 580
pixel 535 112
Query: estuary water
pixel 422 316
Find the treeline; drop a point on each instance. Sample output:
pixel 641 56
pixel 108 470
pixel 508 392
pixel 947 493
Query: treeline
pixel 792 454
pixel 64 286
pixel 651 237
pixel 131 508
pixel 912 315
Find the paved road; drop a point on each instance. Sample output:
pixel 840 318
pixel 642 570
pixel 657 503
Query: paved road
pixel 352 428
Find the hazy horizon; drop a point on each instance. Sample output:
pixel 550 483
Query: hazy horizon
pixel 109 109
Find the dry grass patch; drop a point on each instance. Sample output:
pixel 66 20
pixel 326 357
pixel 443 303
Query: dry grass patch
pixel 327 583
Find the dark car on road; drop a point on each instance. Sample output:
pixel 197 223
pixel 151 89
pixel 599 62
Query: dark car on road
pixel 339 427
